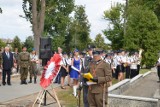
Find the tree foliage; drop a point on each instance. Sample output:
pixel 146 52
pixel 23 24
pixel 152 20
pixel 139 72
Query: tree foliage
pixel 2 44
pixel 80 28
pixel 142 28
pixel 143 32
pixel 16 43
pixel 100 43
pixel 29 43
pixel 115 31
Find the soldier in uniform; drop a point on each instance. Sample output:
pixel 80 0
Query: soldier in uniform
pixel 101 72
pixel 87 60
pixel 33 66
pixel 24 60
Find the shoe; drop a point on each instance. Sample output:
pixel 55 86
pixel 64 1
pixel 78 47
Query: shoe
pixel 158 81
pixel 62 87
pixel 4 84
pixel 69 85
pixel 25 82
pixel 9 84
pixel 21 82
pixel 35 80
pixel 30 80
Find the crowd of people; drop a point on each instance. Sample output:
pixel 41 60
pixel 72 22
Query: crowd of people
pixel 122 64
pixel 102 66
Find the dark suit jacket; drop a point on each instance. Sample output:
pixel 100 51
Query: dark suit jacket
pixel 7 62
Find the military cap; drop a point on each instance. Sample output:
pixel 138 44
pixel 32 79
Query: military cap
pixel 97 51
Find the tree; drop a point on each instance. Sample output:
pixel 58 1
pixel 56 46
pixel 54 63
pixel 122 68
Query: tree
pixel 115 32
pixel 2 44
pixel 81 28
pixel 35 13
pixel 58 20
pixel 99 42
pixel 29 43
pixel 16 43
pixel 143 32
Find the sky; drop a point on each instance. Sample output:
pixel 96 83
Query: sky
pixel 12 25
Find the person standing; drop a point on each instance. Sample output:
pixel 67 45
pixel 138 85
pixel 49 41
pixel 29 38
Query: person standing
pixel 24 61
pixel 58 78
pixel 101 72
pixel 16 57
pixel 158 69
pixel 133 66
pixel 87 60
pixel 33 66
pixel 7 65
pixel 0 65
pixel 64 70
pixel 119 66
pixel 76 70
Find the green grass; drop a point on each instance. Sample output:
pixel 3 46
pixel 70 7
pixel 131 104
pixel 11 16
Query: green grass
pixel 143 71
pixel 68 100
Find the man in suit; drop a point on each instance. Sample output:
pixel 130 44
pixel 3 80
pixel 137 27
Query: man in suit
pixel 7 65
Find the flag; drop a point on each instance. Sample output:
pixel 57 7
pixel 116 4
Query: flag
pixel 50 71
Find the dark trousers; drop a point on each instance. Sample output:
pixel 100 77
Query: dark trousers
pixel 58 78
pixel 133 73
pixel 158 71
pixel 8 73
pixel 85 93
pixel 17 68
pixel 138 69
pixel 128 72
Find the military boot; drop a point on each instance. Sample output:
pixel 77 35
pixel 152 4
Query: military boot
pixel 30 80
pixel 22 82
pixel 25 82
pixel 35 80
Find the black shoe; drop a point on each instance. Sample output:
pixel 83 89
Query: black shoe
pixel 21 82
pixel 158 81
pixel 9 84
pixel 25 82
pixel 35 81
pixel 30 82
pixel 4 84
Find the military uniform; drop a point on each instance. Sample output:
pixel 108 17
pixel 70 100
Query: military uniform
pixel 16 56
pixel 87 60
pixel 97 92
pixel 33 67
pixel 24 61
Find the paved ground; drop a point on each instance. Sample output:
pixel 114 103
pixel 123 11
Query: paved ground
pixel 145 88
pixel 18 95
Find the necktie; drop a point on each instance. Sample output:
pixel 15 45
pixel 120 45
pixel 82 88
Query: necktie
pixel 8 54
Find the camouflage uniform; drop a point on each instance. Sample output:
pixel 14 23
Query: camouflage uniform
pixel 24 61
pixel 33 68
